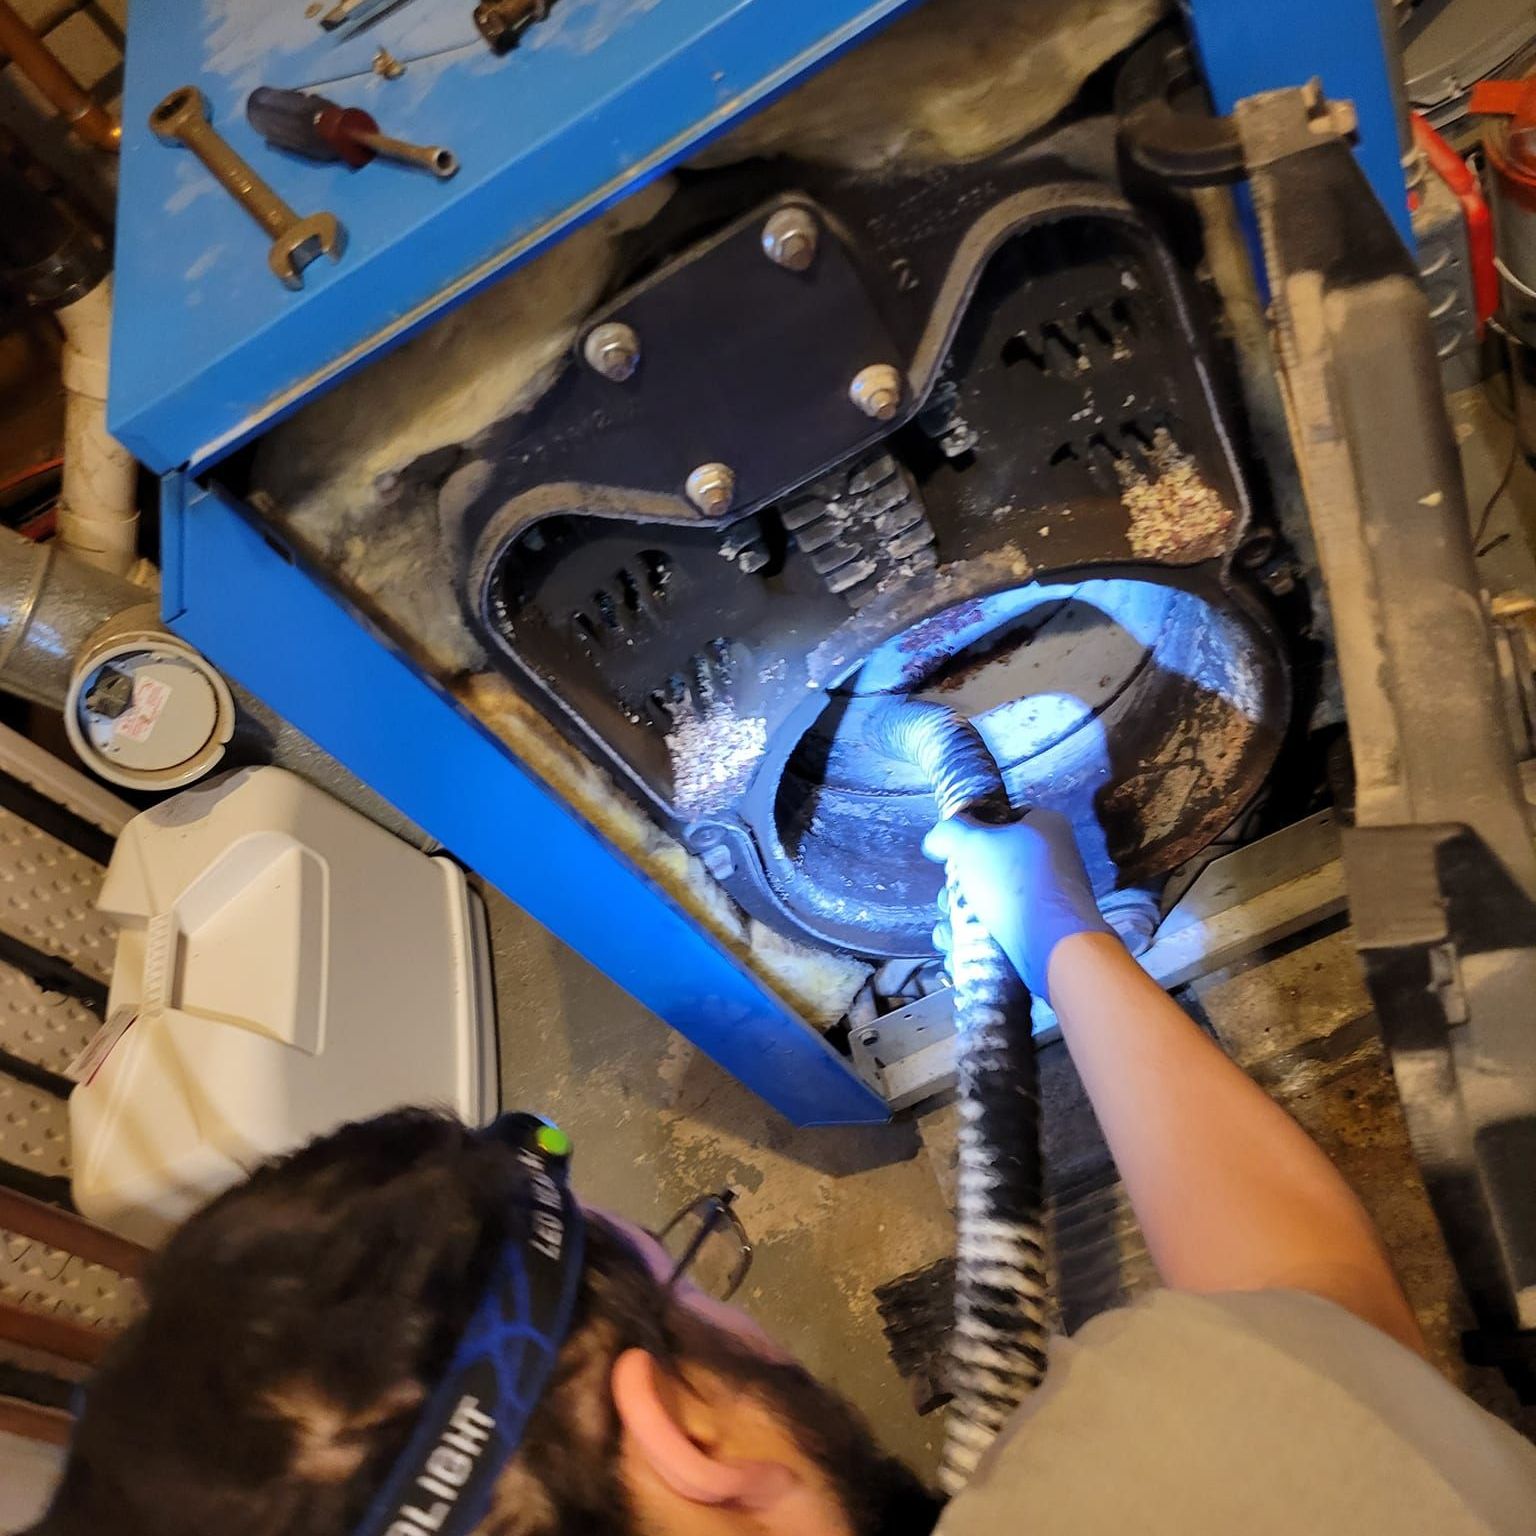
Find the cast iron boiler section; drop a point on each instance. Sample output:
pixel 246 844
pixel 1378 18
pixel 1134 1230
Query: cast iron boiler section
pixel 951 436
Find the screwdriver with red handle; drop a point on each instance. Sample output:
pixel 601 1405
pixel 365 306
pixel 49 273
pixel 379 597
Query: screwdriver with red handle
pixel 310 125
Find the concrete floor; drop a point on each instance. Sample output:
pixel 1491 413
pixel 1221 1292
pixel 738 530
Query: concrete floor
pixel 834 1213
pixel 1300 1023
pixel 831 1213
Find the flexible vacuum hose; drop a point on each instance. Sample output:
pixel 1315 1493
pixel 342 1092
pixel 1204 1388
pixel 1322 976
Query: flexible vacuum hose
pixel 998 1350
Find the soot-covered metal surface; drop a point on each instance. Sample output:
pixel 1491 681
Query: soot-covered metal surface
pixel 1138 709
pixel 1042 535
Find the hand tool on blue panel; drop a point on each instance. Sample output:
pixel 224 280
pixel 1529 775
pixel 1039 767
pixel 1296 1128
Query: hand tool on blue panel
pixel 182 118
pixel 320 129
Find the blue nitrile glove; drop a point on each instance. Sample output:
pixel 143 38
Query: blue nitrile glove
pixel 1025 881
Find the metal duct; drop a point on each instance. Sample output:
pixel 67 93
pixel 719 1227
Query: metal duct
pixel 50 605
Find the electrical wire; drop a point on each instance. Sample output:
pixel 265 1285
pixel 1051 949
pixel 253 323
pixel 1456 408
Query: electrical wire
pixel 1498 491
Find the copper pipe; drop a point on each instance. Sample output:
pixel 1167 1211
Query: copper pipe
pixel 50 1425
pixel 52 1334
pixel 26 51
pixel 63 1229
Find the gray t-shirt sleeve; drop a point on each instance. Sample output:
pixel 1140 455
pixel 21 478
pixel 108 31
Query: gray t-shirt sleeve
pixel 1270 1412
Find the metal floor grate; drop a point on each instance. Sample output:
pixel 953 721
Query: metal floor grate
pixel 48 897
pixel 42 1027
pixel 48 893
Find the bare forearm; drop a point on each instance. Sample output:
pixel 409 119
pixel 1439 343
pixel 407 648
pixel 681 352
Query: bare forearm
pixel 1231 1193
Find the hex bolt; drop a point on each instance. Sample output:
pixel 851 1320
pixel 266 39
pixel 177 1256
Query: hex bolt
pixel 712 488
pixel 613 350
pixel 790 238
pixel 877 391
pixel 1257 549
pixel 719 861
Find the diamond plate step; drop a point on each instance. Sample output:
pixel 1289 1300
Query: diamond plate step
pixel 48 898
pixel 48 894
pixel 42 1027
pixel 34 1129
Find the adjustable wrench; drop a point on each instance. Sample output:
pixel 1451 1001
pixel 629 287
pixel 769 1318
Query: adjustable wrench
pixel 182 118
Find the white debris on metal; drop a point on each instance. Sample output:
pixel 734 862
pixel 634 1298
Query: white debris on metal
pixel 817 983
pixel 952 80
pixel 714 753
pixel 48 898
pixel 1175 512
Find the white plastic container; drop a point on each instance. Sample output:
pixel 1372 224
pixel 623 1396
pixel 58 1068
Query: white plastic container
pixel 284 966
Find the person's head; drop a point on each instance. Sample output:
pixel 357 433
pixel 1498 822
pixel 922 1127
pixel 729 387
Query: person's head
pixel 297 1324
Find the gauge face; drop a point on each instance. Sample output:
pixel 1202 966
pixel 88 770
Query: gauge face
pixel 148 713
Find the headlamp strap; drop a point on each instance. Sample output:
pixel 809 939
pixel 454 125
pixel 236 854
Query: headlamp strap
pixel 477 1416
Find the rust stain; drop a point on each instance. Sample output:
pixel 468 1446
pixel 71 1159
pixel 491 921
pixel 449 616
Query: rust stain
pixel 924 637
pixel 1183 792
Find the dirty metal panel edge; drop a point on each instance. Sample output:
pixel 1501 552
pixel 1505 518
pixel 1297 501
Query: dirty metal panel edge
pixel 278 632
pixel 1245 49
pixel 602 97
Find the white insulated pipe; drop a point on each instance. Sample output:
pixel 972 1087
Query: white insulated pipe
pixel 98 515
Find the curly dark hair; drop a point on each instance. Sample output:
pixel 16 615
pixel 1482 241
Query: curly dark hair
pixel 297 1323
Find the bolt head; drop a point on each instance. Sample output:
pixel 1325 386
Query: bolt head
pixel 790 238
pixel 869 1037
pixel 719 861
pixel 613 350
pixel 877 391
pixel 712 489
pixel 1343 118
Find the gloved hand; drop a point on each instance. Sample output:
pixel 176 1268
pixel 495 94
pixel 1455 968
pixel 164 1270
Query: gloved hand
pixel 1025 881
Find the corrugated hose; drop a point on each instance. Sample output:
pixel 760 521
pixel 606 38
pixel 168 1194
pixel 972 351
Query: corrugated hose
pixel 998 1352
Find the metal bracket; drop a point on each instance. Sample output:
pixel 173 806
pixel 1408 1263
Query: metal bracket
pixel 1441 863
pixel 1241 904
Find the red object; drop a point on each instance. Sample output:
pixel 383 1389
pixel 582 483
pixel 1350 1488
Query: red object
pixel 41 526
pixel 307 124
pixel 1457 175
pixel 1511 146
pixel 340 127
pixel 1504 98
